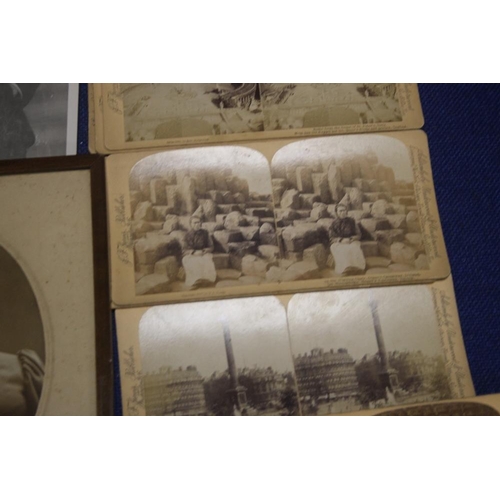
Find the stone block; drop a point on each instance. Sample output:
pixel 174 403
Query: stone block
pixel 269 252
pixel 358 215
pixel 239 250
pixel 275 274
pixel 144 211
pixel 304 179
pixel 286 263
pixel 172 197
pixel 220 218
pixel 404 200
pixel 221 260
pixel 398 209
pixel 379 208
pixel 227 209
pixel 321 187
pixel 171 224
pixel 158 192
pixel 208 208
pixel 319 211
pixel 326 224
pixel 228 274
pixel 377 262
pixel 335 183
pixel 389 236
pixel 403 254
pixel 250 233
pixel 211 227
pixel 185 222
pixel 317 254
pixel 371 225
pixel 307 200
pixel 369 248
pixel 415 240
pixel 151 249
pixel 353 198
pixel 168 266
pixel 251 265
pixel 239 198
pixel 397 221
pixel 304 270
pixel 259 212
pixel 216 196
pixel 223 239
pixel 152 283
pixel 346 173
pixel 293 256
pixel 267 234
pixel 298 238
pixel 135 198
pixel 371 197
pixel 140 228
pixel 161 212
pixel 250 280
pixel 332 210
pixel 187 194
pixel 234 220
pixel 290 199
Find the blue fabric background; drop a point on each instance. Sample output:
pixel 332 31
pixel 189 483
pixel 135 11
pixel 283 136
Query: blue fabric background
pixel 462 122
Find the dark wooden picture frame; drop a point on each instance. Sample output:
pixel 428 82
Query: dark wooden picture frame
pixel 102 310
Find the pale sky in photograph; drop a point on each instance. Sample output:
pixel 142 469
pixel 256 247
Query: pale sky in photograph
pixel 390 152
pixel 192 334
pixel 343 319
pixel 244 162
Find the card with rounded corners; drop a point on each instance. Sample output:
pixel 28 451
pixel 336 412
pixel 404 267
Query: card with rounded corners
pixel 161 115
pixel 273 217
pixel 316 353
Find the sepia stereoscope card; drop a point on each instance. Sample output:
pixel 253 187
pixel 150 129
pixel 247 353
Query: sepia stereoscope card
pixel 131 117
pixel 271 217
pixel 315 353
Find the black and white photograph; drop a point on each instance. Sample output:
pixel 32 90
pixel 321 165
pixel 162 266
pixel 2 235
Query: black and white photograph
pixel 347 206
pixel 368 349
pixel 38 119
pixel 231 358
pixel 202 218
pixel 308 105
pixel 173 110
pixel 22 344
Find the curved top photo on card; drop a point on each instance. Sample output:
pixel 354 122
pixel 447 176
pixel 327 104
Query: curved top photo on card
pixel 330 212
pixel 149 115
pixel 22 343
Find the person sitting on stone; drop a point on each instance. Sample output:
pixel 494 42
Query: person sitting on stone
pixel 345 229
pixel 198 262
pixel 345 245
pixel 198 240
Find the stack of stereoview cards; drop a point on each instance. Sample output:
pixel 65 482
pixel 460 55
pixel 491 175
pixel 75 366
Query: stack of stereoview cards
pixel 271 257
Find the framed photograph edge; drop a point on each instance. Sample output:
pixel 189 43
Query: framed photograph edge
pixel 102 308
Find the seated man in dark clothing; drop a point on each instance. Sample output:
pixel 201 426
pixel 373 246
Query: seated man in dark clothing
pixel 198 261
pixel 345 244
pixel 344 227
pixel 198 239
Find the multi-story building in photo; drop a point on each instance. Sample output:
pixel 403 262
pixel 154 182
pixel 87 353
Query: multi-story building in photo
pixel 174 392
pixel 264 385
pixel 326 375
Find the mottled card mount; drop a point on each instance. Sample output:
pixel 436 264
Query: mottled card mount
pixel 133 117
pixel 312 354
pixel 278 216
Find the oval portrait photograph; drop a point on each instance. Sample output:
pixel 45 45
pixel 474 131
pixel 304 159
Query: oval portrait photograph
pixel 22 346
